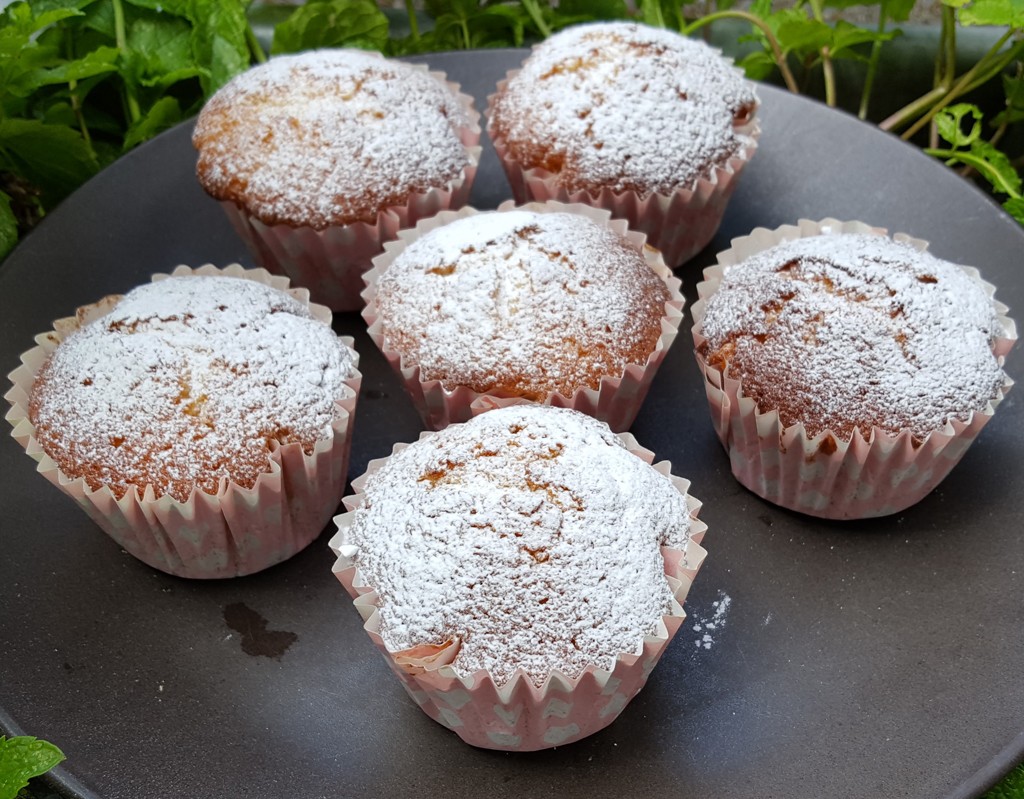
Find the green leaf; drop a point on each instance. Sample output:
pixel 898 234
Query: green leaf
pixel 593 9
pixel 219 40
pixel 1015 208
pixel 22 758
pixel 8 238
pixel 949 122
pixel 993 12
pixel 100 61
pixel 898 10
pixel 1013 88
pixel 757 65
pixel 1000 172
pixel 163 114
pixel 804 35
pixel 332 23
pixel 54 158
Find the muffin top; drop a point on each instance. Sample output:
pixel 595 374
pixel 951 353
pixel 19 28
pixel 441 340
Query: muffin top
pixel 529 538
pixel 623 106
pixel 188 382
pixel 329 137
pixel 851 331
pixel 521 304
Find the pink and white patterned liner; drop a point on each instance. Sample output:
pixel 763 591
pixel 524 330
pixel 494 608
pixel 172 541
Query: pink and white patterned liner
pixel 519 715
pixel 679 224
pixel 330 262
pixel 238 530
pixel 618 398
pixel 862 478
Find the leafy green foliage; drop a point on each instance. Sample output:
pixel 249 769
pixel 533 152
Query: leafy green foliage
pixel 991 12
pixel 22 758
pixel 332 23
pixel 970 150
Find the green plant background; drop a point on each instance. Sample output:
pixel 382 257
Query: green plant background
pixel 84 81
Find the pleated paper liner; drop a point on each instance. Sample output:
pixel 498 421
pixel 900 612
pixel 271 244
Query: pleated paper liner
pixel 520 715
pixel 331 262
pixel 679 224
pixel 617 399
pixel 825 475
pixel 234 532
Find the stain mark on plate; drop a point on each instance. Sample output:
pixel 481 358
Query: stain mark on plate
pixel 257 640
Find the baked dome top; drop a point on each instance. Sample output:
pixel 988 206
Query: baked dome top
pixel 530 536
pixel 329 137
pixel 851 331
pixel 521 303
pixel 188 382
pixel 624 106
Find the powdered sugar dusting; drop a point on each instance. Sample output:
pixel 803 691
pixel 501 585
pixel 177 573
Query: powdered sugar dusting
pixel 529 534
pixel 521 302
pixel 625 106
pixel 329 137
pixel 188 382
pixel 709 626
pixel 846 331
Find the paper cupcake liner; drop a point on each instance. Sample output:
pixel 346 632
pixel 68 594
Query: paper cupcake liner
pixel 861 478
pixel 238 530
pixel 330 262
pixel 618 398
pixel 679 224
pixel 519 715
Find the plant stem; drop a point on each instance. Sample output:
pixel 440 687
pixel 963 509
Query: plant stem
pixel 76 101
pixel 777 54
pixel 131 103
pixel 827 67
pixel 945 63
pixel 873 59
pixel 414 26
pixel 939 97
pixel 255 48
pixel 991 175
pixel 538 19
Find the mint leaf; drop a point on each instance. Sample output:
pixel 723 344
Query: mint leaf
pixel 757 65
pixel 592 9
pixel 804 35
pixel 8 238
pixel 54 158
pixel 993 12
pixel 999 171
pixel 846 35
pixel 332 23
pixel 1013 88
pixel 22 758
pixel 898 10
pixel 1015 208
pixel 160 46
pixel 949 123
pixel 163 114
pixel 219 40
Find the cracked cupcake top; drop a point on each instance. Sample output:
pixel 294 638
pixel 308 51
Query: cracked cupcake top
pixel 187 383
pixel 329 137
pixel 851 331
pixel 521 304
pixel 624 106
pixel 528 538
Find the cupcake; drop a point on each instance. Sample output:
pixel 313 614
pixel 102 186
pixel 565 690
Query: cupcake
pixel 847 372
pixel 320 157
pixel 521 573
pixel 546 303
pixel 641 121
pixel 203 420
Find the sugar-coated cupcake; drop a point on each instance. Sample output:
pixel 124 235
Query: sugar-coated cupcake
pixel 320 157
pixel 521 573
pixel 847 372
pixel 647 123
pixel 545 303
pixel 203 420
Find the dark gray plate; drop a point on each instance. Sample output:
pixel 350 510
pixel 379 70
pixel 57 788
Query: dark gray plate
pixel 864 659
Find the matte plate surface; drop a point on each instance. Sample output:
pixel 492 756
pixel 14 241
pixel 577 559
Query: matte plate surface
pixel 867 659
